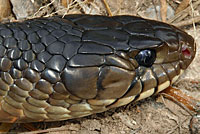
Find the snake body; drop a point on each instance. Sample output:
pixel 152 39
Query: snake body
pixel 58 68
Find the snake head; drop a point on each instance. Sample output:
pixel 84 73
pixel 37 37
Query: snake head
pixel 126 57
pixel 161 59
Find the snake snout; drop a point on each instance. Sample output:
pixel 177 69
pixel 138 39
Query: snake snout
pixel 188 49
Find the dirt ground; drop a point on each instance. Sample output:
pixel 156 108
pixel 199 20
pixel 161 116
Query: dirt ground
pixel 154 115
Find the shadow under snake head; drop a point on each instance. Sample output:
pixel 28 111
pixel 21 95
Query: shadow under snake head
pixel 61 68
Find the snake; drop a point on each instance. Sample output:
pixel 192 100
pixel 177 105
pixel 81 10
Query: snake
pixel 58 68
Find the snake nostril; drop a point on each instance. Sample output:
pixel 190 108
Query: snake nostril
pixel 186 52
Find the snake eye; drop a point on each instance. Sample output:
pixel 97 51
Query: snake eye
pixel 146 57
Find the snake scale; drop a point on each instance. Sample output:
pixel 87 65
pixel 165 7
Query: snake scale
pixel 58 68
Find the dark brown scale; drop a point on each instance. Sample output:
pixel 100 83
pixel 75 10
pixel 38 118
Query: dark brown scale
pixel 42 33
pixel 24 84
pixel 50 75
pixel 10 42
pixel 60 88
pixel 14 53
pixel 28 56
pixel 16 97
pixel 7 78
pixel 47 40
pixel 39 95
pixel 94 48
pixel 148 80
pixel 140 28
pixel 144 42
pixel 134 89
pixel 1 39
pixel 170 70
pixel 15 89
pixel 116 39
pixel 166 34
pixel 126 19
pixel 26 28
pixel 99 23
pixel 73 77
pixel 69 38
pixel 75 32
pixel 56 48
pixel 15 73
pixel 2 51
pixel 33 38
pixel 160 73
pixel 20 64
pixel 58 96
pixel 177 67
pixel 24 45
pixel 71 49
pixel 31 75
pixel 6 33
pixel 38 48
pixel 58 33
pixel 57 62
pixel 55 102
pixel 79 60
pixel 5 64
pixel 44 56
pixel 37 65
pixel 19 35
pixel 113 60
pixel 4 85
pixel 44 86
pixel 113 82
pixel 53 24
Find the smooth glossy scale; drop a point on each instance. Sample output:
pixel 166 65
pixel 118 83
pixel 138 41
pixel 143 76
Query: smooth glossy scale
pixel 10 42
pixel 24 45
pixel 57 62
pixel 28 56
pixel 37 65
pixel 14 53
pixel 72 76
pixel 50 75
pixel 56 48
pixel 44 86
pixel 38 47
pixel 20 64
pixel 79 60
pixel 2 51
pixel 5 64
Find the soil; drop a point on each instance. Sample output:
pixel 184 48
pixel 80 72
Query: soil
pixel 154 115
